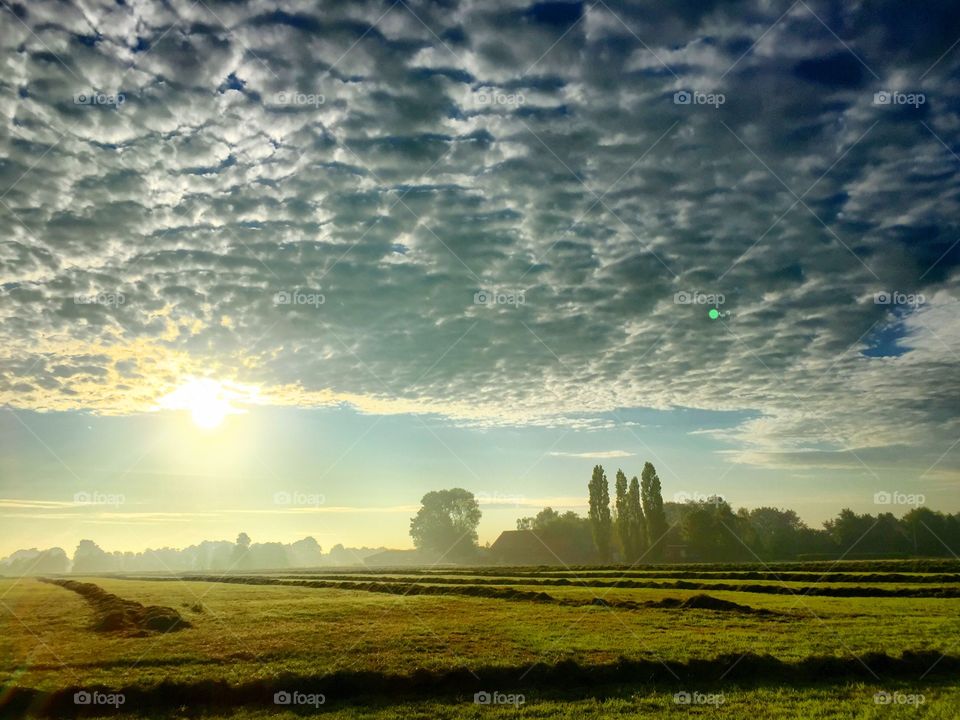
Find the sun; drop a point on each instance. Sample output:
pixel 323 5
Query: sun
pixel 208 401
pixel 208 409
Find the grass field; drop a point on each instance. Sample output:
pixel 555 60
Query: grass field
pixel 372 644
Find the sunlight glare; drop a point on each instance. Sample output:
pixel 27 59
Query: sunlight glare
pixel 208 401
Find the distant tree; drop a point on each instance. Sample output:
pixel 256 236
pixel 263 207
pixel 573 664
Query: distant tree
pixel 90 558
pixel 638 525
pixel 887 537
pixel 847 529
pixel 269 556
pixel 568 536
pixel 713 533
pixel 864 535
pixel 241 553
pixel 622 522
pixel 601 523
pixel 652 497
pixel 306 553
pixel 951 534
pixel 772 533
pixel 814 543
pixel 927 532
pixel 699 531
pixel 543 519
pixel 35 562
pixel 447 523
pixel 340 555
pixel 212 555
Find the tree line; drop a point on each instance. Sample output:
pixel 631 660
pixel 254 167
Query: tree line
pixel 636 525
pixel 208 555
pixel 639 526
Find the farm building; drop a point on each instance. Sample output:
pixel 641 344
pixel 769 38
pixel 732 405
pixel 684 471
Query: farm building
pixel 525 547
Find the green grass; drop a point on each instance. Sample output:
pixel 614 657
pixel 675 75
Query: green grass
pixel 245 633
pixel 840 702
pixel 846 702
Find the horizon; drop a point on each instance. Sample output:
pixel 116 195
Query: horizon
pixel 413 260
pixel 178 480
pixel 522 508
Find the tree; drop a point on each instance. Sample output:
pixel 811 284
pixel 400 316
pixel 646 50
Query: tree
pixel 601 522
pixel 713 533
pixel 638 525
pixel 771 533
pixel 543 519
pixel 926 531
pixel 306 553
pixel 568 536
pixel 847 529
pixel 652 498
pixel 269 556
pixel 863 535
pixel 91 558
pixel 887 537
pixel 241 553
pixel 622 521
pixel 36 562
pixel 446 523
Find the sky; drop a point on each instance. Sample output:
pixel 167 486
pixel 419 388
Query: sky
pixel 285 267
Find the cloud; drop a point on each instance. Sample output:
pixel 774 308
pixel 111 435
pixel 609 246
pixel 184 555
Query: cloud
pixel 347 162
pixel 491 501
pixel 599 455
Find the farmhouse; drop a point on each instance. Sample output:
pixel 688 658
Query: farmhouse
pixel 523 547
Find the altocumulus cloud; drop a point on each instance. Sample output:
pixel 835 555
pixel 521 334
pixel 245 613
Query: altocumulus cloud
pixel 489 210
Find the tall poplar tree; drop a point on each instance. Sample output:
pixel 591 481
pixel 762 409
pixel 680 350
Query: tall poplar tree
pixel 622 521
pixel 638 529
pixel 601 523
pixel 652 498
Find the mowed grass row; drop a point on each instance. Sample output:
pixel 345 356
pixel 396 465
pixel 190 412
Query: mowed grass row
pixel 242 632
pixel 792 601
pixel 918 565
pixel 881 586
pixel 911 566
pixel 626 574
